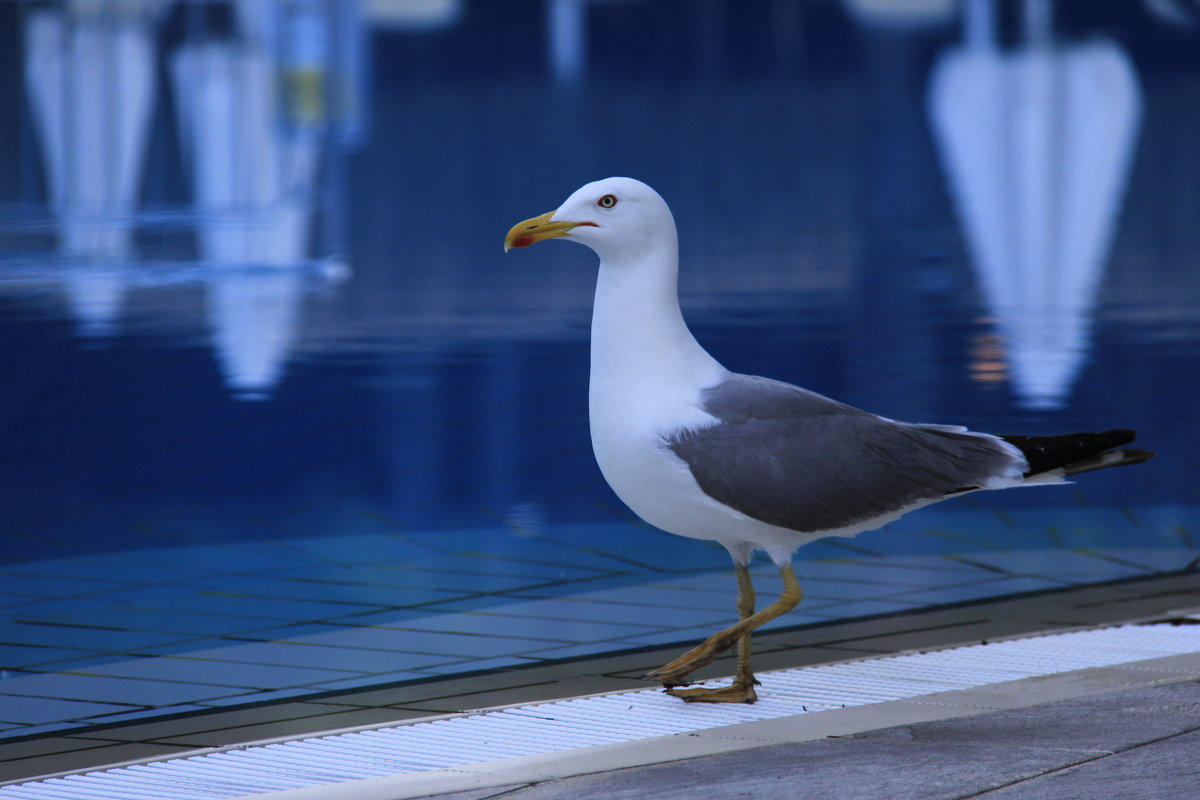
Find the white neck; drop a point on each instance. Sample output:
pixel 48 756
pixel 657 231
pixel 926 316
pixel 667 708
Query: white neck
pixel 644 358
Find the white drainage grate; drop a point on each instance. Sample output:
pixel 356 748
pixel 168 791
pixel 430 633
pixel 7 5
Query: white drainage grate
pixel 601 719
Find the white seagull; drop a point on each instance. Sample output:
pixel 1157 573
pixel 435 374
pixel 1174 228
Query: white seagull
pixel 753 463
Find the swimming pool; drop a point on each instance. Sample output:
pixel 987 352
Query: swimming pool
pixel 274 434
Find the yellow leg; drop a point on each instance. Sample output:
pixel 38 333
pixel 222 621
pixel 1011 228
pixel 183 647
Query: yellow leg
pixel 672 674
pixel 742 688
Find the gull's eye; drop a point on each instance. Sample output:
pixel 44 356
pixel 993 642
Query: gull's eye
pixel 608 201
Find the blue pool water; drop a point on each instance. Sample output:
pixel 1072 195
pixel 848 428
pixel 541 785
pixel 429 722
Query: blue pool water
pixel 275 430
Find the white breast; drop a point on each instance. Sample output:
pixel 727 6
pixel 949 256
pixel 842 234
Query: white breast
pixel 630 420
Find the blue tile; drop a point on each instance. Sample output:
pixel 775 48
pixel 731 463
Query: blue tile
pixel 658 596
pixel 475 665
pixel 368 681
pixel 163 620
pixel 34 584
pixel 501 548
pixel 31 730
pixel 861 608
pixel 349 549
pixel 297 632
pixel 818 588
pixel 128 567
pixel 381 638
pixel 146 714
pixel 95 639
pixel 715 581
pixel 567 630
pixel 577 650
pixel 109 690
pixel 257 697
pixel 857 571
pixel 587 610
pixel 938 571
pixel 465 575
pixel 224 673
pixel 77 663
pixel 629 545
pixel 934 563
pixel 684 637
pixel 1059 564
pixel 498 540
pixel 975 591
pixel 346 659
pixel 1151 559
pixel 226 558
pixel 37 710
pixel 615 583
pixel 320 585
pixel 230 602
pixel 15 655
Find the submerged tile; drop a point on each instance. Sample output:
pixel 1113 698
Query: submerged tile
pixel 93 638
pixel 299 654
pixel 1078 567
pixel 25 656
pixel 257 697
pixel 369 681
pixel 229 601
pixel 22 582
pixel 310 585
pixel 588 610
pixel 162 620
pixel 975 591
pixel 492 624
pixel 225 673
pixel 862 608
pixel 396 639
pixel 474 665
pixel 99 689
pixel 396 586
pixel 16 708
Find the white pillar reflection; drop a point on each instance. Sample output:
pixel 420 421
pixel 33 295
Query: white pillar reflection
pixel 89 74
pixel 253 187
pixel 1036 142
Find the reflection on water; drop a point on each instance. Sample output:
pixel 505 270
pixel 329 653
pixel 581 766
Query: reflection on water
pixel 1037 141
pixel 258 108
pixel 980 213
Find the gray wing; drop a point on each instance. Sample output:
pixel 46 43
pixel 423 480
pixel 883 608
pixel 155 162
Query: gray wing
pixel 796 459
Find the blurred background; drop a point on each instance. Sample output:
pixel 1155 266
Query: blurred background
pixel 270 385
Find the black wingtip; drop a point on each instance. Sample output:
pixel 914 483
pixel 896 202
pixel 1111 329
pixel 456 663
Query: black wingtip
pixel 1075 453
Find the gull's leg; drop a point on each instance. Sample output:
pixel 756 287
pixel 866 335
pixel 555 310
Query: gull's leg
pixel 672 674
pixel 742 688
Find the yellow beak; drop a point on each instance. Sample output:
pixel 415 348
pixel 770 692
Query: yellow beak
pixel 535 230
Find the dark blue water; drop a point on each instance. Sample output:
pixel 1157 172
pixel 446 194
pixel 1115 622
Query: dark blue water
pixel 391 369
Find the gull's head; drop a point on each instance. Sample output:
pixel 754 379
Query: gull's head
pixel 614 217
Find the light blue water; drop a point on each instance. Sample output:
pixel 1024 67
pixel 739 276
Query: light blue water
pixel 350 446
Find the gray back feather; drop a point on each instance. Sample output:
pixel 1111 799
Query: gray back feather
pixel 796 459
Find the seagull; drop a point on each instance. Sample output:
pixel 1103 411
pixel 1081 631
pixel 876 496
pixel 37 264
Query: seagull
pixel 753 463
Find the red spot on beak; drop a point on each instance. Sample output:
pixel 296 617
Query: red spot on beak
pixel 524 240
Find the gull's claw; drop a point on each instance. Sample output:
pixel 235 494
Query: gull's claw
pixel 737 692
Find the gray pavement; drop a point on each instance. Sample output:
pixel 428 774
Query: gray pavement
pixel 1132 744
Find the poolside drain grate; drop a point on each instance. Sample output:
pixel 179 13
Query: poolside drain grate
pixel 490 735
